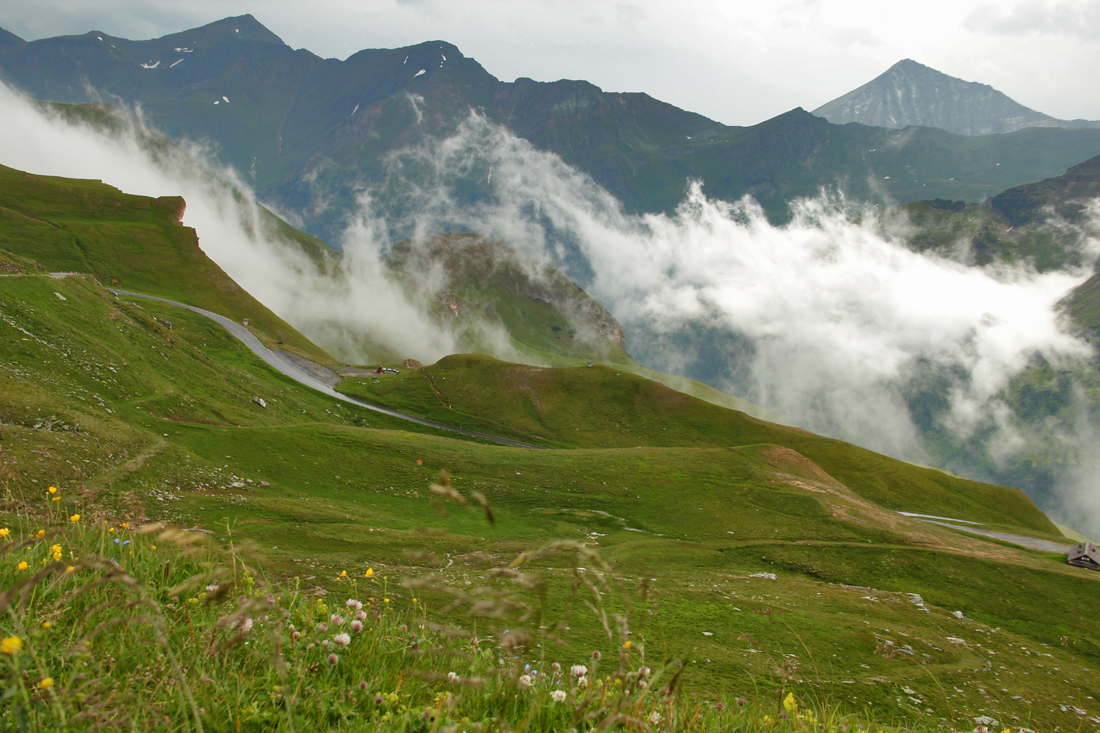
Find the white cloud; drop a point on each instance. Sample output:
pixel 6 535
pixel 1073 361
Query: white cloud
pixel 1077 18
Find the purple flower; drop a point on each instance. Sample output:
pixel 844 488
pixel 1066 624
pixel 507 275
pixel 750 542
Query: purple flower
pixel 333 659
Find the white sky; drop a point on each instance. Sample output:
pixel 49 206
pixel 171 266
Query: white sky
pixel 735 61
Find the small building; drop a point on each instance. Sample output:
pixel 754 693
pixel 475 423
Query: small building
pixel 244 321
pixel 1084 555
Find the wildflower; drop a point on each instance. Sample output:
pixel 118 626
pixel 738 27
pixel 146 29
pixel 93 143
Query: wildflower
pixel 322 627
pixel 5 532
pixel 52 489
pixel 385 600
pixel 558 695
pixel 596 655
pixel 56 548
pixel 360 615
pixel 369 573
pixel 46 683
pixel 363 685
pixel 352 603
pixel 643 684
pixel 525 681
pixel 583 683
pixel 342 639
pixel 627 644
pixel 74 518
pixel 40 533
pixel 153 547
pixel 56 498
pixel 556 667
pixel 378 699
pixel 336 620
pixel 70 569
pixel 57 556
pixel 578 670
pixel 110 529
pixel 356 626
pixel 343 574
pixel 126 525
pixel 11 645
pixel 654 718
pixel 452 677
pixel 720 706
pixel 117 540
pixel 47 625
pixel 643 672
pixel 789 703
pixel 22 565
pixel 333 659
pixel 246 625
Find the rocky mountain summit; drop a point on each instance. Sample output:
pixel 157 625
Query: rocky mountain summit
pixel 909 93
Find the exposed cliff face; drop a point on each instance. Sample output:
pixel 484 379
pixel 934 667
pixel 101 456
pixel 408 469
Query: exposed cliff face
pixel 913 94
pixel 476 274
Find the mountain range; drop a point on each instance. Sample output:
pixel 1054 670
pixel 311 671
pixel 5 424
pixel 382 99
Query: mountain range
pixel 909 93
pixel 310 134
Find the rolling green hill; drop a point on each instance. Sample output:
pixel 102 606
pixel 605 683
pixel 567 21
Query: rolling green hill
pixel 132 242
pixel 136 422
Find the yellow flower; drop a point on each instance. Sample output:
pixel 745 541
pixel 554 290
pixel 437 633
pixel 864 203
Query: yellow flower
pixel 126 525
pixel 627 644
pixel 110 529
pixel 57 556
pixel 47 625
pixel 5 532
pixel 154 547
pixel 385 600
pixel 790 704
pixel 56 548
pixel 52 489
pixel 22 565
pixel 70 569
pixel 57 498
pixel 40 533
pixel 343 573
pixel 369 573
pixel 46 683
pixel 74 518
pixel 11 645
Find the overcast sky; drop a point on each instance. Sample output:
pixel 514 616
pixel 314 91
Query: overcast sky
pixel 735 61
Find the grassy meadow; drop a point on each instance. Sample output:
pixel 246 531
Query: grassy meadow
pixel 740 559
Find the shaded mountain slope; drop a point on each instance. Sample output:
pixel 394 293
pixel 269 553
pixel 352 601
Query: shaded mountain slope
pixel 311 133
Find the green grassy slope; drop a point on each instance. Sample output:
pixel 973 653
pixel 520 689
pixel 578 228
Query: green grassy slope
pixel 603 407
pixel 129 418
pixel 130 242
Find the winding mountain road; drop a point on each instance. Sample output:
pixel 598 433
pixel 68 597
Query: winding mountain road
pixel 292 370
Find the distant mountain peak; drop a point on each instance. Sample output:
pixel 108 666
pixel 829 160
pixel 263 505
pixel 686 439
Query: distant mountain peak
pixel 910 93
pixel 240 27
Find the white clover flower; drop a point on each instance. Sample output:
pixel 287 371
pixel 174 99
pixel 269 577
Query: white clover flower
pixel 357 626
pixel 643 672
pixel 578 670
pixel 336 620
pixel 452 677
pixel 246 626
pixel 558 695
pixel 352 603
pixel 525 681
pixel 342 639
pixel 655 718
pixel 582 682
pixel 360 615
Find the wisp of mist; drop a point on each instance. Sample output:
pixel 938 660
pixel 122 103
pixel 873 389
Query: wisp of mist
pixel 829 321
pixel 336 310
pixel 826 322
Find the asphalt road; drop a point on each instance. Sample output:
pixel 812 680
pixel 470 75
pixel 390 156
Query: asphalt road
pixel 287 367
